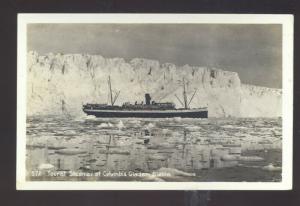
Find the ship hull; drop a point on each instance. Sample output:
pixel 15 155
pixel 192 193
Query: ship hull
pixel 194 113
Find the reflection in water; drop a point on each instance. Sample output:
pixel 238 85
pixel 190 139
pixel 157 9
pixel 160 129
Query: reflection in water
pixel 189 145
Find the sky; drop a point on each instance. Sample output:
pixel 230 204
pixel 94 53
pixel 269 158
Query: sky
pixel 252 50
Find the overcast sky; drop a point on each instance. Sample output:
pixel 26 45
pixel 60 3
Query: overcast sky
pixel 254 51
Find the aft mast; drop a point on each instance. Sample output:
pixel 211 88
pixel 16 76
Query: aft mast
pixel 110 91
pixel 184 96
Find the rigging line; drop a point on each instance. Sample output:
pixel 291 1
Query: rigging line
pixel 179 100
pixel 116 97
pixel 169 91
pixel 192 97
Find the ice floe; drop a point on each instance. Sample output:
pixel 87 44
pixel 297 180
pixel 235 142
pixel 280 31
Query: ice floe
pixel 46 166
pixel 271 167
pixel 70 151
pixel 175 172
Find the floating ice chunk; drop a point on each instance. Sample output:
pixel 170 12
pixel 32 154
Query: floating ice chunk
pixel 70 151
pixel 153 147
pixel 120 125
pixel 90 117
pixel 177 119
pixel 165 131
pixel 250 158
pixel 150 126
pixel 192 128
pixel 228 126
pixel 105 125
pixel 46 166
pixel 180 146
pixel 229 158
pixel 118 152
pixel 235 150
pixel 86 168
pixel 248 166
pixel 135 121
pixel 233 127
pixel 175 172
pixel 35 146
pixel 162 146
pixel 157 157
pixel 152 178
pixel 69 133
pixel 271 167
pixel 56 147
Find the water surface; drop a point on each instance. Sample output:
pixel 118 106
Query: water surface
pixel 214 149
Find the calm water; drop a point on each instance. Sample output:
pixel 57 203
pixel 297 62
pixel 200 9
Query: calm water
pixel 61 148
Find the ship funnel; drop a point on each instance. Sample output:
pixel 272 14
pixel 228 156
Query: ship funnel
pixel 147 99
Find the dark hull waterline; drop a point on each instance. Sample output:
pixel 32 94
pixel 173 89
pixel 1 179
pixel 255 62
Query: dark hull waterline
pixel 148 114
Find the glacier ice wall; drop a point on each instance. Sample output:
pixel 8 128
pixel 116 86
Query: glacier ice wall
pixel 61 83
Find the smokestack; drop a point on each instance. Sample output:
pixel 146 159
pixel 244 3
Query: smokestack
pixel 148 99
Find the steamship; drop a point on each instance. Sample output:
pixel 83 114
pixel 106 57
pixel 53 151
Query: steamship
pixel 149 109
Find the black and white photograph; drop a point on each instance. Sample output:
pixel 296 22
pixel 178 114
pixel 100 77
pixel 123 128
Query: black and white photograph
pixel 146 101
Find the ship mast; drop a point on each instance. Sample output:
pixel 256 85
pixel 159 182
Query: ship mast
pixel 184 96
pixel 111 97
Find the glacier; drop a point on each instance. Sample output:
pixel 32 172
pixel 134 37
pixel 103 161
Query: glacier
pixel 62 83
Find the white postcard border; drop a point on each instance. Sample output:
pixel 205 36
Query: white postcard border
pixel 287 98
